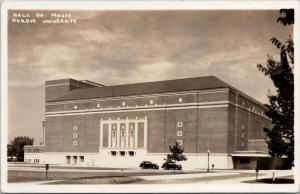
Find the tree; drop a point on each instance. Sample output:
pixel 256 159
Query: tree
pixel 16 147
pixel 176 154
pixel 280 138
pixel 10 151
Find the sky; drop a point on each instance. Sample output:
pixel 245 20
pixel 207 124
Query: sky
pixel 119 47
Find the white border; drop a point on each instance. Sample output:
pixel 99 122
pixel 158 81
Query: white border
pixel 142 5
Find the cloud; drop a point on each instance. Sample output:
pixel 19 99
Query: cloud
pixel 118 47
pixel 128 45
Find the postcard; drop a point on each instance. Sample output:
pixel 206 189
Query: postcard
pixel 140 96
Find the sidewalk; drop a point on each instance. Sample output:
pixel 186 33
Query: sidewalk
pixel 218 177
pixel 261 175
pixel 186 176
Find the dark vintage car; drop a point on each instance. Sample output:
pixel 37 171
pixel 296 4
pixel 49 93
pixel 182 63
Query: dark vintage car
pixel 148 165
pixel 171 165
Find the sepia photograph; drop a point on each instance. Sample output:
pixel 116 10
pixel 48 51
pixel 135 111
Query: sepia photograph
pixel 149 97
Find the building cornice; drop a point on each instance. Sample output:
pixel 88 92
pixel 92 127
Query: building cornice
pixel 155 107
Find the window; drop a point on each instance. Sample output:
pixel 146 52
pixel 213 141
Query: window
pixel 75 143
pixel 75 107
pixel 98 105
pixel 75 128
pixel 179 124
pixel 179 99
pixel 244 160
pixel 243 103
pixel 151 101
pixel 122 153
pixel 81 158
pixel 113 153
pixel 243 135
pixel 243 126
pixel 131 133
pixel 75 135
pixel 242 144
pixel 179 142
pixel 131 153
pixel 179 133
pixel 123 104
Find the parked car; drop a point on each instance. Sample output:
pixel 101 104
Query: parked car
pixel 148 165
pixel 171 165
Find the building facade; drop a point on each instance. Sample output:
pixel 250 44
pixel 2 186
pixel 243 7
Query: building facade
pixel 89 124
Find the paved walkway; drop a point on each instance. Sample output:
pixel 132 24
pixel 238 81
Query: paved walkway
pixel 262 175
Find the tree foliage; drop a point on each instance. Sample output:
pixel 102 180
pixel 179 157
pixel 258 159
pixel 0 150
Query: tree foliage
pixel 10 151
pixel 16 147
pixel 280 138
pixel 176 154
pixel 288 18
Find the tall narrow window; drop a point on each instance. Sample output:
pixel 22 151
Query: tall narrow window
pixel 151 101
pixel 242 144
pixel 75 127
pixel 75 107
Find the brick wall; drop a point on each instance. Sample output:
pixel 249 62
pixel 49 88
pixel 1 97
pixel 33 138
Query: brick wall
pixel 218 128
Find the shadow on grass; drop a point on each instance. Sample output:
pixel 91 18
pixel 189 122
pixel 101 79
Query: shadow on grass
pixel 279 180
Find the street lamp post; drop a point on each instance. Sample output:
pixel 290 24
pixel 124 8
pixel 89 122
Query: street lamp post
pixel 44 127
pixel 207 160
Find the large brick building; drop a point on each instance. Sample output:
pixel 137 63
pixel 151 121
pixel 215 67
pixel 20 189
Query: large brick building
pixel 90 124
